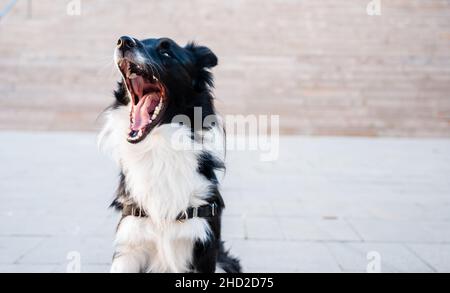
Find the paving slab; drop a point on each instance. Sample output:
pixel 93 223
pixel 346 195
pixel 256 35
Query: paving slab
pixel 393 258
pixel 436 256
pixel 320 207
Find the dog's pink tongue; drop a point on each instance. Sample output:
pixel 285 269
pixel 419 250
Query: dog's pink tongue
pixel 145 106
pixel 141 114
pixel 142 111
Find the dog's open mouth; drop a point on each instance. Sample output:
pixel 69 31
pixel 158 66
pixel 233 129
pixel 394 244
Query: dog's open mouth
pixel 147 100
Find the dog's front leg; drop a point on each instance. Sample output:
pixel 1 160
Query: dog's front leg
pixel 129 261
pixel 132 250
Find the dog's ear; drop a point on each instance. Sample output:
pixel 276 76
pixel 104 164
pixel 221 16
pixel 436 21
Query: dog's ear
pixel 204 57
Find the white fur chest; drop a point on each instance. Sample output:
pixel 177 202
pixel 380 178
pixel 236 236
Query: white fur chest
pixel 162 180
pixel 161 176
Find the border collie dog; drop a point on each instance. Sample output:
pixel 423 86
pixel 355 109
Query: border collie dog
pixel 168 191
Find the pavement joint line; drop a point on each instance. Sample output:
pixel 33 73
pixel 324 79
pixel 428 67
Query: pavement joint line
pixel 334 257
pixel 321 218
pixel 419 257
pixel 337 241
pixel 26 236
pixel 17 260
pixel 354 229
pixel 55 263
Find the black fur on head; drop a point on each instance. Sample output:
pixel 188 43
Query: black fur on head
pixel 181 75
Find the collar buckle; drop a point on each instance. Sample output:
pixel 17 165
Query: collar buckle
pixel 183 217
pixel 195 212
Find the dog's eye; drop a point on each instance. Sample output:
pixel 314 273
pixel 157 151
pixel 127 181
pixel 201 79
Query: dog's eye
pixel 165 54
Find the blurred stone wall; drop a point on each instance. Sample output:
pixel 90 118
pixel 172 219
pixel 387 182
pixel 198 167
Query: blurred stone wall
pixel 326 67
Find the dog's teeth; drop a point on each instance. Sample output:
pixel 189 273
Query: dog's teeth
pixel 159 107
pixel 132 76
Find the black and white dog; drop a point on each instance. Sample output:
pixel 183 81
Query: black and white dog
pixel 169 190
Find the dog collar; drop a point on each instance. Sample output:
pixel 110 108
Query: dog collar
pixel 204 211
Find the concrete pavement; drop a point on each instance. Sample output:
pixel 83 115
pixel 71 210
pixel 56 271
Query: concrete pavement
pixel 326 205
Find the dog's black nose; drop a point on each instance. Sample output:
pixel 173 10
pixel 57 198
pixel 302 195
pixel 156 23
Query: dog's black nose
pixel 125 43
